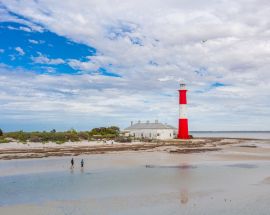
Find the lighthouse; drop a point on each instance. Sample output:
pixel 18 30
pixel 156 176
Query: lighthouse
pixel 183 121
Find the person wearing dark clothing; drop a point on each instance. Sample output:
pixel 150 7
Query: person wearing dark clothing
pixel 72 163
pixel 82 163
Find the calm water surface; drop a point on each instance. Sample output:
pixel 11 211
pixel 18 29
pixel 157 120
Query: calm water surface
pixel 233 134
pixel 207 188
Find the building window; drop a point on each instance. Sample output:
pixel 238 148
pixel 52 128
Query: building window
pixel 170 134
pixel 141 134
pixel 157 134
pixel 150 135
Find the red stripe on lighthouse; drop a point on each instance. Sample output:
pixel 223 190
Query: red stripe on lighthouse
pixel 183 131
pixel 182 96
pixel 183 121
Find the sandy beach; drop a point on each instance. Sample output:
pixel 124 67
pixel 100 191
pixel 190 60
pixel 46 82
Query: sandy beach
pixel 229 147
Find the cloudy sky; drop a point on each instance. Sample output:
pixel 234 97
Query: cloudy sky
pixel 88 63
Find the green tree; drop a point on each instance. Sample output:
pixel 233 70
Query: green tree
pixel 115 128
pixel 104 132
pixel 1 132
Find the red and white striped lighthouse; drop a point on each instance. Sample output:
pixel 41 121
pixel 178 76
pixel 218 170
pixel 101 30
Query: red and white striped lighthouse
pixel 183 121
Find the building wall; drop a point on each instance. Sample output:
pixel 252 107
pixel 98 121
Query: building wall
pixel 160 134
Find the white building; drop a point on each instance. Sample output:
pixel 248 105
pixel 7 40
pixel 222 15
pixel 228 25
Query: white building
pixel 150 130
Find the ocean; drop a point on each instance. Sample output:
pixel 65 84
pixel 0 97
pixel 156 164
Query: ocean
pixel 233 134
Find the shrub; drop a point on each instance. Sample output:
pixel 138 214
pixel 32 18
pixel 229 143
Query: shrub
pixel 83 135
pixel 123 140
pixel 3 140
pixel 61 137
pixel 60 142
pixel 1 132
pixel 35 139
pixel 110 132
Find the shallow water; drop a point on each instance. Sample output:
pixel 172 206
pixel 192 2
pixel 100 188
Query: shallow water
pixel 233 134
pixel 183 188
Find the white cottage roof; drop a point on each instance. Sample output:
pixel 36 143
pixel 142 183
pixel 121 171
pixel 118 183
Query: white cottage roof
pixel 149 125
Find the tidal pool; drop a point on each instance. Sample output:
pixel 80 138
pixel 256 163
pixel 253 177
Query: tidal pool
pixel 235 187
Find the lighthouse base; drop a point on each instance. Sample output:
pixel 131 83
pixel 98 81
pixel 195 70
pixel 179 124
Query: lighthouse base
pixel 183 129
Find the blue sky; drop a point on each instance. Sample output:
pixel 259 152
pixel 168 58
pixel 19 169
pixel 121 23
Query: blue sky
pixel 85 64
pixel 43 51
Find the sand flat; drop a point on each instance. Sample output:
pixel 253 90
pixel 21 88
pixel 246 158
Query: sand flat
pixel 17 150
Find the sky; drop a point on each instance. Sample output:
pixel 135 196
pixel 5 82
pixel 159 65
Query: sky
pixel 91 63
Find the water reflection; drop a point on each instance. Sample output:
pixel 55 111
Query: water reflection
pixel 71 170
pixel 185 181
pixel 182 166
pixel 82 170
pixel 184 169
pixel 242 165
pixel 184 196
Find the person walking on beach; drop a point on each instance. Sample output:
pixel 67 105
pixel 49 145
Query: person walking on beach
pixel 72 163
pixel 82 163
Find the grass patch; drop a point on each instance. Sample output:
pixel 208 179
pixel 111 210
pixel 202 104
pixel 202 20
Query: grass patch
pixel 59 142
pixel 3 140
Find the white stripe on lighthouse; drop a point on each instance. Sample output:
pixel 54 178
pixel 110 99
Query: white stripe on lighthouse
pixel 183 111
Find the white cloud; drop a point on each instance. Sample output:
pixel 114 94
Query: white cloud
pixel 12 28
pixel 49 69
pixel 93 63
pixel 20 51
pixel 41 59
pixel 33 41
pixel 12 57
pixel 85 66
pixel 5 16
pixel 56 98
pixel 166 78
pixel 154 44
pixel 25 29
pixel 20 28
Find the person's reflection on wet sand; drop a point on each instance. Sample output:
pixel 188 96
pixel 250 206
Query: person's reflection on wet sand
pixel 71 170
pixel 82 170
pixel 184 196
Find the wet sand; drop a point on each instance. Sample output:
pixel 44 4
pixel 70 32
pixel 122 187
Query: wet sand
pixel 150 178
pixel 130 155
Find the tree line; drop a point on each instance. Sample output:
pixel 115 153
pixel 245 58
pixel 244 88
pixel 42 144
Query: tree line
pixel 112 132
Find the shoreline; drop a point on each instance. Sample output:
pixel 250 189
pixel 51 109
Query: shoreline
pixel 15 150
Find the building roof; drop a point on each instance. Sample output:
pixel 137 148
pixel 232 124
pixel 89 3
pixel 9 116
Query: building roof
pixel 149 125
